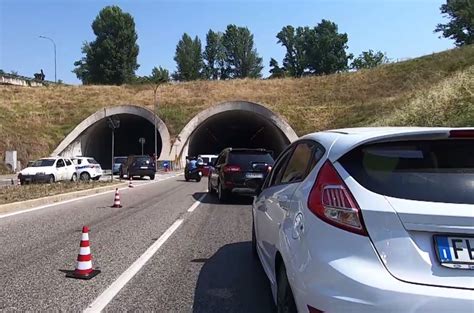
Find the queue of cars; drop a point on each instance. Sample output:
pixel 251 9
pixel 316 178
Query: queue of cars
pixel 361 220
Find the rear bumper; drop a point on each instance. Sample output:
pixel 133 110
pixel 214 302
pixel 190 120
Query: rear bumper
pixel 141 172
pixel 352 278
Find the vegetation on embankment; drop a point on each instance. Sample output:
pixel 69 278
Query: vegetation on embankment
pixel 431 90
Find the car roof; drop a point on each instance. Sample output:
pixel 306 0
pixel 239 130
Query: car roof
pixel 340 141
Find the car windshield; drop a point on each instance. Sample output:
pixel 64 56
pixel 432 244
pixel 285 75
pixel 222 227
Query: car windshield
pixel 438 171
pixel 43 162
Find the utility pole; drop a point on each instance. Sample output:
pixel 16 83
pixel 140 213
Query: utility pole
pixel 155 113
pixel 54 45
pixel 113 122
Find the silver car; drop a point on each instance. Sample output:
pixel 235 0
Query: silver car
pixel 370 220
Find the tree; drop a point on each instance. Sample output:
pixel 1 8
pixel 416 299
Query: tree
pixel 318 50
pixel 241 59
pixel 369 59
pixel 112 57
pixel 188 59
pixel 214 56
pixel 460 28
pixel 159 75
pixel 295 61
pixel 326 49
pixel 275 70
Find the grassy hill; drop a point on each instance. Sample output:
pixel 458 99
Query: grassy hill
pixel 432 90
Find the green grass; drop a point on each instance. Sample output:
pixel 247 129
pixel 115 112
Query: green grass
pixel 432 90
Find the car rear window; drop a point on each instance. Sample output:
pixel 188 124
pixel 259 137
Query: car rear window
pixel 205 160
pixel 245 159
pixel 437 171
pixel 142 161
pixel 92 161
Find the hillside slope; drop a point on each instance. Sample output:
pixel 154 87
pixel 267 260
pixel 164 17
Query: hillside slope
pixel 432 90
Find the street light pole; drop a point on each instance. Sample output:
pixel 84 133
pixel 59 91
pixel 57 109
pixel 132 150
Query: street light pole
pixel 154 117
pixel 54 44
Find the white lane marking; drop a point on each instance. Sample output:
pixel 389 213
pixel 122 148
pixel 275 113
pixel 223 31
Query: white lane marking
pixel 197 203
pixel 101 302
pixel 80 198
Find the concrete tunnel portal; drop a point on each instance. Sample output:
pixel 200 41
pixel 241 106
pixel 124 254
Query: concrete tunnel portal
pixel 93 136
pixel 237 124
pixel 237 129
pixel 126 139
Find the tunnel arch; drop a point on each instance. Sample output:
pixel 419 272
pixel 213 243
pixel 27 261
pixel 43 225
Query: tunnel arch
pixel 134 119
pixel 251 117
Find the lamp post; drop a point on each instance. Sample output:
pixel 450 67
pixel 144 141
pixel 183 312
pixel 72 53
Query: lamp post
pixel 54 44
pixel 113 123
pixel 155 105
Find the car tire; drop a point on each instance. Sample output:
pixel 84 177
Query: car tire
pixel 51 179
pixel 74 177
pixel 152 177
pixel 285 300
pixel 254 240
pixel 198 179
pixel 85 176
pixel 221 193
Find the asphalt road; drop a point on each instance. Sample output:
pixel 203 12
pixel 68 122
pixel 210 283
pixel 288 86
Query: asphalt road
pixel 206 265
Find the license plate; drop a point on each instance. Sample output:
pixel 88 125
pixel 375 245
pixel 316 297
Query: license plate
pixel 144 167
pixel 455 252
pixel 254 175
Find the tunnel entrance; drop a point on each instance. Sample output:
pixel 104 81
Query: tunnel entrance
pixel 97 140
pixel 236 129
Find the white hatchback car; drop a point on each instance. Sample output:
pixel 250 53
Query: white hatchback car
pixel 370 220
pixel 87 168
pixel 48 170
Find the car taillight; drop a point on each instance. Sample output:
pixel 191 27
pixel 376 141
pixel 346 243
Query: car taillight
pixel 231 168
pixel 331 201
pixel 461 133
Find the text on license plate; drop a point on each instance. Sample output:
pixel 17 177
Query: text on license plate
pixel 254 175
pixel 144 167
pixel 455 252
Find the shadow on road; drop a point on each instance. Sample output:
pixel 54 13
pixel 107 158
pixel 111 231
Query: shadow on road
pixel 212 199
pixel 232 280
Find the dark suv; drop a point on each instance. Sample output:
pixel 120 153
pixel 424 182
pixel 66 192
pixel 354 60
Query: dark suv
pixel 138 165
pixel 239 171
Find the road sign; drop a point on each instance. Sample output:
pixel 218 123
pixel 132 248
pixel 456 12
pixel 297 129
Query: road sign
pixel 141 140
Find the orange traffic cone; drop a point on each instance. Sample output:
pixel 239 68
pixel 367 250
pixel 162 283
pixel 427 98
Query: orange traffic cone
pixel 130 183
pixel 117 199
pixel 84 259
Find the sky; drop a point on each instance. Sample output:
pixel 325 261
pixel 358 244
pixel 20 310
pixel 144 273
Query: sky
pixel 400 28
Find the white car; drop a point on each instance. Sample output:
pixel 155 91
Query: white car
pixel 49 170
pixel 370 220
pixel 87 168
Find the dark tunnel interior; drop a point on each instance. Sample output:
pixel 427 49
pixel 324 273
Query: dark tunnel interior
pixel 98 139
pixel 237 129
